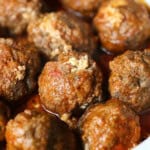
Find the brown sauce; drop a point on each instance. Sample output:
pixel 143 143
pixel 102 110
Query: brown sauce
pixel 145 124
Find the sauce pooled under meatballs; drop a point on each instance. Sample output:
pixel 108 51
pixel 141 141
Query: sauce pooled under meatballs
pixel 4 116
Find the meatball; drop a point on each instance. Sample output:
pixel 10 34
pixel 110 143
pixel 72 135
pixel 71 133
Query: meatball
pixel 112 125
pixel 122 25
pixel 130 79
pixel 4 116
pixel 16 14
pixel 19 65
pixel 85 7
pixel 54 33
pixel 72 82
pixel 32 130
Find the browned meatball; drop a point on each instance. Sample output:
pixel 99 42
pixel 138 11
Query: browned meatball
pixel 54 33
pixel 72 82
pixel 86 7
pixel 4 116
pixel 32 130
pixel 122 25
pixel 107 126
pixel 19 65
pixel 130 79
pixel 16 14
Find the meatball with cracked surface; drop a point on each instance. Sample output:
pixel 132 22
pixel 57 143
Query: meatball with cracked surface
pixel 16 14
pixel 112 125
pixel 130 79
pixel 74 81
pixel 19 66
pixel 4 116
pixel 57 32
pixel 85 7
pixel 123 25
pixel 32 130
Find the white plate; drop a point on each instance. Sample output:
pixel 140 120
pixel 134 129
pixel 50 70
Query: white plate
pixel 145 145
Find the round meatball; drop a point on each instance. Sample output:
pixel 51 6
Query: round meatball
pixel 16 14
pixel 72 82
pixel 4 116
pixel 112 125
pixel 122 25
pixel 54 33
pixel 36 130
pixel 130 79
pixel 85 7
pixel 19 65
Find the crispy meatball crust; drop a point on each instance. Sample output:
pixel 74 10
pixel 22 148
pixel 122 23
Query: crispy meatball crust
pixel 19 65
pixel 32 130
pixel 57 32
pixel 109 126
pixel 71 82
pixel 130 79
pixel 85 7
pixel 122 25
pixel 16 14
pixel 4 116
